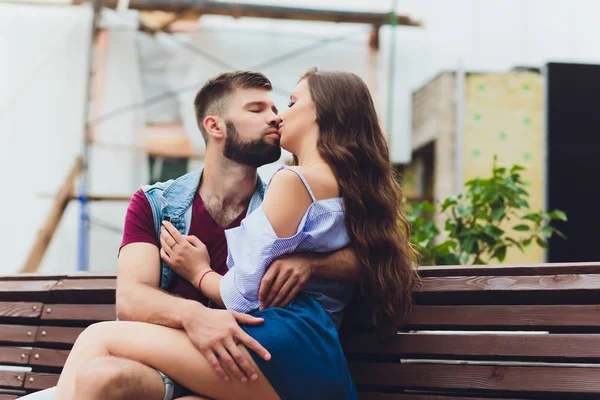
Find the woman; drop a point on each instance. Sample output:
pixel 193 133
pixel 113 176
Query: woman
pixel 342 192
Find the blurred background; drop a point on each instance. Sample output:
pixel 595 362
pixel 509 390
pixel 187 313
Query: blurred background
pixel 96 100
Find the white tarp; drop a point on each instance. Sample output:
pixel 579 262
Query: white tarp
pixel 42 92
pixel 43 78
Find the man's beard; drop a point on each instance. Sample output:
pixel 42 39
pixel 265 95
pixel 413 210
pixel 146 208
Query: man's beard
pixel 253 153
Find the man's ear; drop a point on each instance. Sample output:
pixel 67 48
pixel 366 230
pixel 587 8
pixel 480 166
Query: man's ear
pixel 213 127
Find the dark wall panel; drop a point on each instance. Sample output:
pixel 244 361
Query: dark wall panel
pixel 574 158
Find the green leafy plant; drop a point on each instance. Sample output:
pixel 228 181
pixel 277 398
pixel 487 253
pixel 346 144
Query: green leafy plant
pixel 482 223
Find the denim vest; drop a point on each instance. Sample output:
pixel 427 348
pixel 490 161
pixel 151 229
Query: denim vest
pixel 172 201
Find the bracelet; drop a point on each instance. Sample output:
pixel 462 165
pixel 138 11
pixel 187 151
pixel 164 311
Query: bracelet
pixel 202 277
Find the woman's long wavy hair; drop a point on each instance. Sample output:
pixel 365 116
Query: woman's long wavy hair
pixel 352 143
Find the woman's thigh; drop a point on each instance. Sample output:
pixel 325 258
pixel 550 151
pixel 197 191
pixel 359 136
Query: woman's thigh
pixel 170 351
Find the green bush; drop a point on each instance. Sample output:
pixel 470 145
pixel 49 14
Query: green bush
pixel 475 230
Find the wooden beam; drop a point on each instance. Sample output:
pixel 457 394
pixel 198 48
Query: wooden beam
pixel 238 10
pixel 103 198
pixel 374 37
pixel 93 197
pixel 153 22
pixel 46 233
pixel 98 79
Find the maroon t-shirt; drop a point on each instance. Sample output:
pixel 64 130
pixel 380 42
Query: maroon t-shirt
pixel 139 227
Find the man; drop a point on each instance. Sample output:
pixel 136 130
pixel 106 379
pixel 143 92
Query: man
pixel 239 123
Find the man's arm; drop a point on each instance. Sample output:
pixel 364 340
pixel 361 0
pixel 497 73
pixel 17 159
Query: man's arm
pixel 213 332
pixel 341 265
pixel 288 274
pixel 138 296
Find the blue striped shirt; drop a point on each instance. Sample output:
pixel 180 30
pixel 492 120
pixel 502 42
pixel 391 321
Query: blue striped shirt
pixel 254 245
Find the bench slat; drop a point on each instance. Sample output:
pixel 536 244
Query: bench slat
pixel 20 310
pixel 11 379
pixel 538 289
pixel 568 317
pixel 478 377
pixel 34 276
pixel 28 290
pixel 22 334
pixel 506 316
pixel 38 286
pixel 402 396
pixel 482 346
pixel 84 291
pixel 57 335
pixel 41 357
pixel 88 285
pixel 511 283
pixel 14 355
pixel 507 269
pixel 77 312
pixel 39 381
pixel 10 396
pixel 30 276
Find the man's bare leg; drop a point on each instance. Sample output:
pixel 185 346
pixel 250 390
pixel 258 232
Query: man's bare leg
pixel 116 378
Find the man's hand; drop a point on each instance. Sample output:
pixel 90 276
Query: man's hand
pixel 284 279
pixel 186 255
pixel 216 334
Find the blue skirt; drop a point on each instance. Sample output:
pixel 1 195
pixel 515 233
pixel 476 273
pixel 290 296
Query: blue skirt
pixel 307 361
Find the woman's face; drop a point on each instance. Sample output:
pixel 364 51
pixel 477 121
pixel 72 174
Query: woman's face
pixel 298 122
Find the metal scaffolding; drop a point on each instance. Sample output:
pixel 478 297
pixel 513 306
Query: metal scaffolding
pixel 164 16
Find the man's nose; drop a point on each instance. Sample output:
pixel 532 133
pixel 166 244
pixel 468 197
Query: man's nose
pixel 275 120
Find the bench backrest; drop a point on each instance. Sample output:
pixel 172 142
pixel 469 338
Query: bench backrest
pixel 40 318
pixel 491 332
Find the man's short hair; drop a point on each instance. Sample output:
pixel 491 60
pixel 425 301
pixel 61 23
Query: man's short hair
pixel 212 98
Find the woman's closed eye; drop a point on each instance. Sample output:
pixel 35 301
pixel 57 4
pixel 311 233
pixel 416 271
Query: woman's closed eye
pixel 291 103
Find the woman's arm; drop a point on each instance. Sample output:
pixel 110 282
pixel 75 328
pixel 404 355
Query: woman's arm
pixel 253 246
pixel 210 287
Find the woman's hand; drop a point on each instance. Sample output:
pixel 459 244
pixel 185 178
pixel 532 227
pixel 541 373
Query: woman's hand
pixel 186 255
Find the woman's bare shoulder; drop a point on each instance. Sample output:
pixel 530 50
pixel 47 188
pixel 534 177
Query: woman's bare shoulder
pixel 286 202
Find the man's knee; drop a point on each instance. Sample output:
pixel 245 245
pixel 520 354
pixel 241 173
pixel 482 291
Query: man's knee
pixel 93 336
pixel 103 377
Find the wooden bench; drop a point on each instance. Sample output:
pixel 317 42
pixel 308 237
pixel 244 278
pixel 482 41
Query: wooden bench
pixel 518 332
